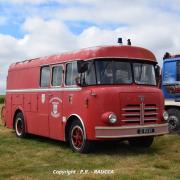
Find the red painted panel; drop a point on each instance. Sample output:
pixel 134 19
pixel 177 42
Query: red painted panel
pixel 42 118
pixel 27 102
pixel 8 112
pixel 17 99
pixel 34 102
pixel 55 115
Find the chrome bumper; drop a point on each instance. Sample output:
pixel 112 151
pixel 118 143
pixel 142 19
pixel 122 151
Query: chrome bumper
pixel 129 131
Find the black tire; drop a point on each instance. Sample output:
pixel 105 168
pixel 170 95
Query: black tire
pixel 77 140
pixel 19 125
pixel 144 142
pixel 174 120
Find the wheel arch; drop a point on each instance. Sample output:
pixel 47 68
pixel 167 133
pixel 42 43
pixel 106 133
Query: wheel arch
pixel 70 119
pixel 18 110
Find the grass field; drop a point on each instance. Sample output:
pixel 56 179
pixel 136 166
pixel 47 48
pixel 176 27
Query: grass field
pixel 37 158
pixel 2 99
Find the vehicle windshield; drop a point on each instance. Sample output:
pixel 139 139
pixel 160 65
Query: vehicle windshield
pixel 113 72
pixel 119 72
pixel 144 73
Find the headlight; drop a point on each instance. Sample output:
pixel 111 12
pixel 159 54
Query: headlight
pixel 165 116
pixel 112 118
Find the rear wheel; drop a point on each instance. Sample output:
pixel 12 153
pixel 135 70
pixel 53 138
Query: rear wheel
pixel 141 141
pixel 77 140
pixel 19 125
pixel 174 120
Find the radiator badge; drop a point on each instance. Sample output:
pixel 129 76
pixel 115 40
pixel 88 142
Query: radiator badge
pixel 141 98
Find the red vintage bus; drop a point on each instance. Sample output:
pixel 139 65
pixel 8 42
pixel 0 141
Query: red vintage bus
pixel 94 94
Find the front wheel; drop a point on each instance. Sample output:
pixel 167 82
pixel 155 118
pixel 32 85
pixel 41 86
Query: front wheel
pixel 77 140
pixel 141 141
pixel 174 120
pixel 20 125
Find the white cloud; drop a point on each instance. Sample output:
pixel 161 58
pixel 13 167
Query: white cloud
pixel 94 36
pixel 150 24
pixel 46 37
pixel 115 11
pixel 42 38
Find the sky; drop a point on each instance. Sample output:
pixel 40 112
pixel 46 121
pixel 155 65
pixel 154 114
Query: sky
pixel 35 28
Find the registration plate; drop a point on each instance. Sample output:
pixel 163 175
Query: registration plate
pixel 145 130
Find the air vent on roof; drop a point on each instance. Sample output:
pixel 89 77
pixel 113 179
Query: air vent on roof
pixel 120 41
pixel 129 42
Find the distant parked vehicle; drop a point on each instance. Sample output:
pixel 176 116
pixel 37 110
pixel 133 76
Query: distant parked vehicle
pixel 94 94
pixel 171 89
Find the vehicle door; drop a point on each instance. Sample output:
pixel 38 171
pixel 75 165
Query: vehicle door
pixel 56 103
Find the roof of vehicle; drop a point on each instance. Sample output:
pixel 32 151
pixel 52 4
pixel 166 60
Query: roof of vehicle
pixel 169 58
pixel 172 58
pixel 124 52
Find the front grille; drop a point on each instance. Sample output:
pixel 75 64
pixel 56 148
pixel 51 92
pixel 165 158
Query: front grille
pixel 140 114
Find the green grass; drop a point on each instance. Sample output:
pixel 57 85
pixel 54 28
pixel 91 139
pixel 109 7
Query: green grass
pixel 2 99
pixel 37 157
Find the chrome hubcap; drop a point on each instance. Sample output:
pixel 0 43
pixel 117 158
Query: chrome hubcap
pixel 77 137
pixel 173 120
pixel 19 127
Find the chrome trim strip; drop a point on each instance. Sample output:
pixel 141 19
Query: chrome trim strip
pixel 130 127
pixel 131 109
pixel 127 136
pixel 146 108
pixel 43 90
pixel 130 114
pixel 152 119
pixel 149 114
pixel 135 120
pixel 136 109
pixel 130 120
pixel 142 113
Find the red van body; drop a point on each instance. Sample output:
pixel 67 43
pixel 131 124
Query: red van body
pixel 102 111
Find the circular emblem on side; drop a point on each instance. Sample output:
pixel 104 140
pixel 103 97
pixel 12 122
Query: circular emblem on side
pixel 55 106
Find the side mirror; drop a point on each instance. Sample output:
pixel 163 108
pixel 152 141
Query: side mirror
pixel 82 66
pixel 157 71
pixel 158 76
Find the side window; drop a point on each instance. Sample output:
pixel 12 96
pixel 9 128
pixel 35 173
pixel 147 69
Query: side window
pixel 71 73
pixel 170 74
pixel 45 76
pixel 178 71
pixel 57 75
